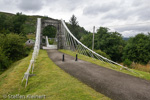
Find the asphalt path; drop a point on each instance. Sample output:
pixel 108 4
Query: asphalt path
pixel 115 85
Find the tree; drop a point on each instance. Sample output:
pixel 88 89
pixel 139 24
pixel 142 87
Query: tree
pixel 4 60
pixel 18 21
pixel 73 21
pixel 138 49
pixel 13 46
pixel 87 40
pixel 49 31
pixel 111 43
pixel 2 21
pixel 76 30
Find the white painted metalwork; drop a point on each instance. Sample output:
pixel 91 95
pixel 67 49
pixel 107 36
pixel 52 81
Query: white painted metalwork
pixel 71 43
pixel 35 52
pixel 75 44
pixel 48 46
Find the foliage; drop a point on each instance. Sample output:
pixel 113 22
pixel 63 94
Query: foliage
pixel 12 23
pixel 51 41
pixel 76 30
pixel 87 40
pixel 18 21
pixel 73 21
pixel 6 24
pixel 127 62
pixel 138 49
pixel 11 48
pixel 111 43
pixel 28 28
pixel 14 47
pixel 31 36
pixel 102 53
pixel 4 60
pixel 49 31
pixel 50 81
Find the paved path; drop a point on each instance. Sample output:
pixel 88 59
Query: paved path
pixel 113 84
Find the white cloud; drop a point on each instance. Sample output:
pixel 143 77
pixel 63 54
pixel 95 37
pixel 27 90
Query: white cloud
pixel 89 13
pixel 30 5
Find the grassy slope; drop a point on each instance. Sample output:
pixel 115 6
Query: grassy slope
pixel 50 80
pixel 31 36
pixel 144 75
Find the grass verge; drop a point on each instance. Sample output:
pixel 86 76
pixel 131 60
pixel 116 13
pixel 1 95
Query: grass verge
pixel 142 74
pixel 49 80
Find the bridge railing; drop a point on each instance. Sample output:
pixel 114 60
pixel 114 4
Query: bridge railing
pixel 72 43
pixel 35 52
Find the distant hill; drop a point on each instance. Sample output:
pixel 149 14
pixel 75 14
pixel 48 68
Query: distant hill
pixel 125 38
pixel 30 24
pixel 6 13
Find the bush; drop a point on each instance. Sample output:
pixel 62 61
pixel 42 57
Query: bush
pixel 138 49
pixel 51 41
pixel 102 53
pixel 28 49
pixel 4 60
pixel 127 62
pixel 49 31
pixel 11 49
pixel 14 47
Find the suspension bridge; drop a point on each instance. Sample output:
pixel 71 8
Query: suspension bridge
pixel 111 83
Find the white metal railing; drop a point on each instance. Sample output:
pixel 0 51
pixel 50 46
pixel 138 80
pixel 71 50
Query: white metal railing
pixel 35 52
pixel 48 46
pixel 47 42
pixel 72 42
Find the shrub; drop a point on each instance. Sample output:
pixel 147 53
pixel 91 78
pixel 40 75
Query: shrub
pixel 11 49
pixel 14 47
pixel 28 49
pixel 102 53
pixel 127 62
pixel 138 49
pixel 4 60
pixel 51 41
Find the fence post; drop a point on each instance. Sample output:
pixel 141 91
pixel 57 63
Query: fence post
pixel 63 57
pixel 76 57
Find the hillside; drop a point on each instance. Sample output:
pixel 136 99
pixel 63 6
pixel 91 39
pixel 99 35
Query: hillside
pixel 49 80
pixel 126 38
pixel 30 24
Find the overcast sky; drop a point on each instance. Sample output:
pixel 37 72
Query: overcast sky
pixel 128 17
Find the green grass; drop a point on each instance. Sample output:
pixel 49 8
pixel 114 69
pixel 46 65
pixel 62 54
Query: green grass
pixel 49 80
pixel 31 36
pixel 141 74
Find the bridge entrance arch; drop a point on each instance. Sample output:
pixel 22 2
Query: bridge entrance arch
pixel 59 34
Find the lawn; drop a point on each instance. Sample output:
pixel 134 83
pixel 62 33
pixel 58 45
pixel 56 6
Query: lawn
pixel 49 80
pixel 137 73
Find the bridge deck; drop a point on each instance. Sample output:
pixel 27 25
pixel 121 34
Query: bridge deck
pixel 113 84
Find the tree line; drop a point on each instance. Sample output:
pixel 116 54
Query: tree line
pixel 12 23
pixel 136 49
pixel 12 39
